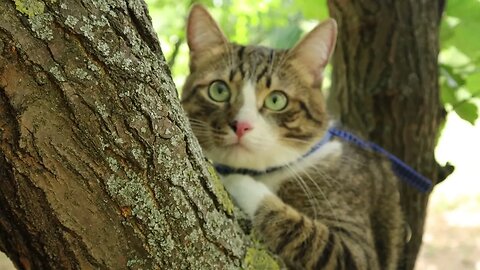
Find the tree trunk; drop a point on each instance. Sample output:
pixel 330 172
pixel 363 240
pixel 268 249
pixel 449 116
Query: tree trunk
pixel 385 85
pixel 98 168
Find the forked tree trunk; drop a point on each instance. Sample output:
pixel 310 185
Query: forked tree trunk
pixel 385 84
pixel 98 168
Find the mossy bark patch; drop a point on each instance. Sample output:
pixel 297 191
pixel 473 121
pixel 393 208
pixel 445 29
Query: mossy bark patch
pixel 257 258
pixel 30 8
pixel 220 191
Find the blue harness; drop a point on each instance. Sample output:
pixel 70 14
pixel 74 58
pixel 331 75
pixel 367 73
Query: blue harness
pixel 402 170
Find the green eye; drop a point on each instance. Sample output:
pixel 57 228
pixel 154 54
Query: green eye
pixel 219 91
pixel 276 101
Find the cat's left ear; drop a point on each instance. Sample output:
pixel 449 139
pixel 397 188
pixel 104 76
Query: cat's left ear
pixel 312 53
pixel 203 33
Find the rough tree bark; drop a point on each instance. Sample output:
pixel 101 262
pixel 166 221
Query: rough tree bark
pixel 385 84
pixel 98 168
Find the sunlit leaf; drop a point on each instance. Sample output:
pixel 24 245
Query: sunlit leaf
pixel 448 95
pixel 468 111
pixel 473 81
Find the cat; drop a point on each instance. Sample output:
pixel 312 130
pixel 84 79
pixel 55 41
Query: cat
pixel 259 115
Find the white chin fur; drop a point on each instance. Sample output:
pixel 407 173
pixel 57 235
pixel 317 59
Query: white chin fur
pixel 260 155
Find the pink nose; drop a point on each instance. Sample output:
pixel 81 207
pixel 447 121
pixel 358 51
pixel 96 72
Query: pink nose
pixel 241 128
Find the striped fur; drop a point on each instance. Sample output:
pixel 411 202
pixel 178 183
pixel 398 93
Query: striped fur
pixel 350 220
pixel 338 208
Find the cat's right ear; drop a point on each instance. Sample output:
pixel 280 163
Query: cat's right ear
pixel 203 33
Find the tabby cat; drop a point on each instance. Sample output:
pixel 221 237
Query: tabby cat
pixel 259 112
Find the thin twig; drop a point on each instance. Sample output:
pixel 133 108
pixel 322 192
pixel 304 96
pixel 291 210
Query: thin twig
pixel 174 54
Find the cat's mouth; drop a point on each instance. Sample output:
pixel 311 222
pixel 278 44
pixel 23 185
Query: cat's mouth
pixel 239 145
pixel 251 154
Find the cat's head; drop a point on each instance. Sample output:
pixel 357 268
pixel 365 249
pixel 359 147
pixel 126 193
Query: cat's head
pixel 251 106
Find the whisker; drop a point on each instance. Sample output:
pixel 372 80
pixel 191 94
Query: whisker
pixel 304 187
pixel 325 176
pixel 348 159
pixel 201 127
pixel 295 140
pixel 319 189
pixel 195 121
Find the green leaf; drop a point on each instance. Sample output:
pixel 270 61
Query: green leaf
pixel 473 82
pixel 316 10
pixel 448 95
pixel 468 111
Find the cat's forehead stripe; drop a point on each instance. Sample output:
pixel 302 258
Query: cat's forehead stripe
pixel 270 56
pixel 262 73
pixel 241 50
pixel 268 81
pixel 253 61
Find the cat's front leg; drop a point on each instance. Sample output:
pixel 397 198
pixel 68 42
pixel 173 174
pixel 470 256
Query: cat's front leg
pixel 246 191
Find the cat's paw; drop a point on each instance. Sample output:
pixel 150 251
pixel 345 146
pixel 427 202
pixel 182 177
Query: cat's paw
pixel 246 192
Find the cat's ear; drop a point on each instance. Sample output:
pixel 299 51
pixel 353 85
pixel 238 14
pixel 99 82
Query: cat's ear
pixel 312 53
pixel 203 32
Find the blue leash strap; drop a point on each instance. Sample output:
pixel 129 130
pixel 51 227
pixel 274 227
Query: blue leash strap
pixel 402 170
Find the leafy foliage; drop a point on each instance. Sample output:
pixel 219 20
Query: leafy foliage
pixel 280 23
pixel 460 59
